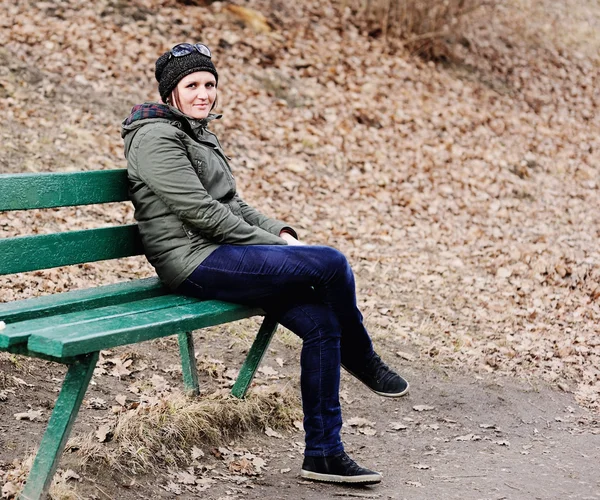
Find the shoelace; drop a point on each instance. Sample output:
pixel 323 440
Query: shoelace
pixel 381 371
pixel 351 466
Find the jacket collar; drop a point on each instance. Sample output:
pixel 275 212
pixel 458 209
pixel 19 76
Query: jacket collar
pixel 154 110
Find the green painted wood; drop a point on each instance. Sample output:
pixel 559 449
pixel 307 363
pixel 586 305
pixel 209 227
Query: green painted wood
pixel 80 300
pixel 62 189
pixel 59 427
pixel 254 357
pixel 22 350
pixel 188 363
pixel 66 341
pixel 17 333
pixel 30 253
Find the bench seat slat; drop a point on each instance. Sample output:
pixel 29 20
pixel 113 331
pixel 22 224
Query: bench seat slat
pixel 80 300
pixel 16 333
pixel 66 341
pixel 45 251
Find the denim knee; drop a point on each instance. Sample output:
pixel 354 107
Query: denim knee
pixel 333 259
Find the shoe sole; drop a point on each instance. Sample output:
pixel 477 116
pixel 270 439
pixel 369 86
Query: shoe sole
pixel 384 394
pixel 331 478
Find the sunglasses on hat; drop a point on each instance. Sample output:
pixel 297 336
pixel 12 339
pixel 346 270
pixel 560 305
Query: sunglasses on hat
pixel 184 49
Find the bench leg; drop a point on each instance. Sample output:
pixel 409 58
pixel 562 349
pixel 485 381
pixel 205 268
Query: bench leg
pixel 254 357
pixel 59 427
pixel 188 363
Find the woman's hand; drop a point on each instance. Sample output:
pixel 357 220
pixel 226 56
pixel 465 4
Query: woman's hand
pixel 290 239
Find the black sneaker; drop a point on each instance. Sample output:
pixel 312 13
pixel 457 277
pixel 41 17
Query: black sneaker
pixel 337 469
pixel 380 378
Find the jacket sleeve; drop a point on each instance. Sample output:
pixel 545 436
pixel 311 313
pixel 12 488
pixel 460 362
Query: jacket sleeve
pixel 164 166
pixel 255 218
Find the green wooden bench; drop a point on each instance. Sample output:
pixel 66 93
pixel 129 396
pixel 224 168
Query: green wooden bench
pixel 73 327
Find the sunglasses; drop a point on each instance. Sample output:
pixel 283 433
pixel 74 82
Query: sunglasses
pixel 184 49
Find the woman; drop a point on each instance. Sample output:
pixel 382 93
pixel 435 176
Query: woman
pixel 205 241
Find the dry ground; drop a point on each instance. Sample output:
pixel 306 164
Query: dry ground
pixel 464 192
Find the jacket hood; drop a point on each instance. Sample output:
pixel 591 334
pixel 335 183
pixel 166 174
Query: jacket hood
pixel 152 112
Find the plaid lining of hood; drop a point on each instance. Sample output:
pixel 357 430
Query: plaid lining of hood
pixel 149 110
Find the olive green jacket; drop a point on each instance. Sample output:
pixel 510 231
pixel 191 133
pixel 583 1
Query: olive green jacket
pixel 184 192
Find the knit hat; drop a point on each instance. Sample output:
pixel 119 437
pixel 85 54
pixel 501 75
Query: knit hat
pixel 170 70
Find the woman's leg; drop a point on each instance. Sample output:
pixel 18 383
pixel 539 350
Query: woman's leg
pixel 299 310
pixel 311 291
pixel 266 275
pixel 319 376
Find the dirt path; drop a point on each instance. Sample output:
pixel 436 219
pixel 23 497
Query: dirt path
pixel 483 439
pixel 455 436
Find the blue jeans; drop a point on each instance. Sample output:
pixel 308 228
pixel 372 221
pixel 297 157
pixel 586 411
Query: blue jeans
pixel 310 290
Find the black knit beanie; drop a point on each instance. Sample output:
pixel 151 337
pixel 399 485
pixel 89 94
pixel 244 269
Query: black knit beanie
pixel 170 70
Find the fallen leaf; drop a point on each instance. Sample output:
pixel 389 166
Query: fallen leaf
pixel 268 371
pixel 20 381
pixel 160 384
pixel 31 415
pixel 359 422
pixel 243 466
pixel 249 17
pixel 187 477
pixel 468 437
pixel 367 431
pixel 204 483
pixel 345 396
pixel 259 463
pixel 120 367
pixel 271 433
pixel 405 355
pixel 504 272
pixel 96 404
pixel 9 490
pixel 172 487
pixel 423 408
pixel 104 433
pixel 71 474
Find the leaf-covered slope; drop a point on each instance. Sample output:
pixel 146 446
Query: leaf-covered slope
pixel 465 193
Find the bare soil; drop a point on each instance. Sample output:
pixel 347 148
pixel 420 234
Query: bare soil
pixel 455 435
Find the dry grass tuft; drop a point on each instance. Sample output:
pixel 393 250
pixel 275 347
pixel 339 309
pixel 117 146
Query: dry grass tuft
pixel 166 430
pixel 422 26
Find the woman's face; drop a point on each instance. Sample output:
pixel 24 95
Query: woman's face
pixel 195 94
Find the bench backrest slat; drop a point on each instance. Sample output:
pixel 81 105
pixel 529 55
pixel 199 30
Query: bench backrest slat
pixel 30 253
pixel 65 189
pixel 62 189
